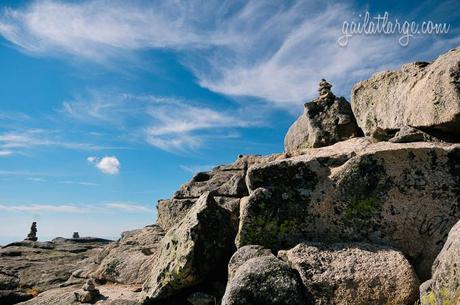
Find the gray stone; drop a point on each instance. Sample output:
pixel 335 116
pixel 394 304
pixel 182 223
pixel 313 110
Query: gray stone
pixel 421 95
pixel 200 298
pixel 325 121
pixel 355 273
pixel 264 280
pixel 191 251
pixel 243 255
pixel 444 287
pixel 409 134
pixel 128 260
pixel 403 195
pixel 32 236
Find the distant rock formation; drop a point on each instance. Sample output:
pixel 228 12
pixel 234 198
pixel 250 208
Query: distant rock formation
pixel 75 235
pixel 325 121
pixel 32 236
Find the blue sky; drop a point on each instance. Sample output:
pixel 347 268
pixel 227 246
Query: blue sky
pixel 106 107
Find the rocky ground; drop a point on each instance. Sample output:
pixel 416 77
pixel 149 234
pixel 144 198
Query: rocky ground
pixel 362 208
pixel 30 267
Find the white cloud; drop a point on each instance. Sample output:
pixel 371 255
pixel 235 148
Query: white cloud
pixel 128 207
pixel 66 208
pixel 108 165
pixel 4 153
pixel 171 124
pixel 36 179
pixel 79 183
pixel 19 139
pixel 272 50
pixel 196 168
pixel 74 208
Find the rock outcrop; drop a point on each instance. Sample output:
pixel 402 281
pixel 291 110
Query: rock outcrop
pixel 191 251
pixel 355 273
pixel 403 195
pixel 128 260
pixel 325 121
pixel 28 268
pixel 444 287
pixel 421 95
pixel 263 279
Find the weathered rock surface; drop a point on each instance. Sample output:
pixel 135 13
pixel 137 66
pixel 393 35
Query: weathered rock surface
pixel 325 121
pixel 264 280
pixel 444 287
pixel 128 260
pixel 403 195
pixel 192 250
pixel 355 273
pixel 243 255
pixel 408 134
pixel 226 182
pixel 422 95
pixel 89 293
pixel 28 268
pixel 111 294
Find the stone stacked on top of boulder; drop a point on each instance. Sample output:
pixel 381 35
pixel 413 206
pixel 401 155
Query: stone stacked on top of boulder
pixel 326 120
pixel 339 219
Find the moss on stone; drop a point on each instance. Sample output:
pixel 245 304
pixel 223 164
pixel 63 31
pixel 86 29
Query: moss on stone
pixel 361 208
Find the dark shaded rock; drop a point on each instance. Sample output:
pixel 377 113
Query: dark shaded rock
pixel 409 134
pixel 356 273
pixel 444 286
pixel 32 236
pixel 191 251
pixel 264 280
pixel 200 298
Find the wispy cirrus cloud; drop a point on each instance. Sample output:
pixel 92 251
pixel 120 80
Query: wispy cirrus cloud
pixel 70 208
pixel 193 169
pixel 171 124
pixel 85 183
pixel 276 51
pixel 18 139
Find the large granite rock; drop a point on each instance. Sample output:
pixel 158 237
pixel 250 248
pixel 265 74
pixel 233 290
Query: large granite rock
pixel 243 255
pixel 264 280
pixel 192 251
pixel 403 195
pixel 325 121
pixel 226 182
pixel 128 260
pixel 356 273
pixel 421 95
pixel 444 287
